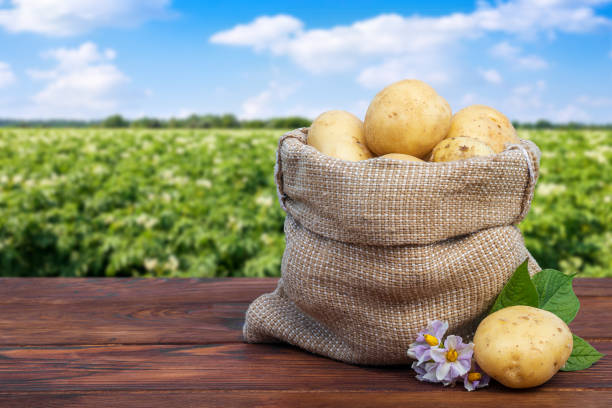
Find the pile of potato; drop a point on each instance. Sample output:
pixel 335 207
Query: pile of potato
pixel 408 120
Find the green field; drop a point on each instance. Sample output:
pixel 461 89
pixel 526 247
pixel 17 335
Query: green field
pixel 202 203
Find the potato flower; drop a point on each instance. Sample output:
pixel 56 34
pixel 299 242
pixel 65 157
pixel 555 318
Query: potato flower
pixel 453 360
pixel 427 339
pixel 475 378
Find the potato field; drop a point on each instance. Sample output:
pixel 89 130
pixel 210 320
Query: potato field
pixel 202 203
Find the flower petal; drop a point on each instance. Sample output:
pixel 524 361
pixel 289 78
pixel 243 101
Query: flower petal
pixel 442 371
pixel 425 356
pixel 438 355
pixel 420 369
pixel 431 372
pixel 465 349
pixel 461 367
pixel 453 342
pixel 439 327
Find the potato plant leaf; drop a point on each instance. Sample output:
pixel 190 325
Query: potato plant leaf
pixel 556 294
pixel 583 355
pixel 519 290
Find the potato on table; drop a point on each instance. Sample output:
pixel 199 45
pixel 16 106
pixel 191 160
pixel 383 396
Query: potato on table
pixel 458 148
pixel 485 124
pixel 522 346
pixel 339 134
pixel 406 117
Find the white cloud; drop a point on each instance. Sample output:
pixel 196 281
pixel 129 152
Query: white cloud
pixel 527 102
pixel 505 50
pixel 69 17
pixel 266 103
pixel 529 93
pixel 570 113
pixel 532 62
pixel 83 83
pixel 513 55
pixel 7 77
pixel 594 101
pixel 263 33
pixel 490 75
pixel 403 44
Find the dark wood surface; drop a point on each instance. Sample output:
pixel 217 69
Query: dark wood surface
pixel 178 343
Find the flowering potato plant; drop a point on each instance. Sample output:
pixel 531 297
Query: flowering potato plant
pixel 445 362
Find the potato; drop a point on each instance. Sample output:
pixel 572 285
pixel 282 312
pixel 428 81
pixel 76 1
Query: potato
pixel 521 346
pixel 399 156
pixel 406 117
pixel 458 148
pixel 485 124
pixel 339 134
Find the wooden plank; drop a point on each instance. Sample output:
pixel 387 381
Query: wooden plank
pixel 88 322
pixel 593 287
pixel 125 311
pixel 593 319
pixel 56 290
pixel 121 290
pixel 152 311
pixel 540 397
pixel 227 367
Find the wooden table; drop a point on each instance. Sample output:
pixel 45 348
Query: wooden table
pixel 178 343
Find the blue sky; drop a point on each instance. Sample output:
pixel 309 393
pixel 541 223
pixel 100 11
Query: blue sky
pixel 87 59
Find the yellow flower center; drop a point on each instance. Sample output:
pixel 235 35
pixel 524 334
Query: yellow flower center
pixel 474 377
pixel 451 355
pixel 431 340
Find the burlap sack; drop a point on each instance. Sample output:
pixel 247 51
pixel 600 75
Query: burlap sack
pixel 378 248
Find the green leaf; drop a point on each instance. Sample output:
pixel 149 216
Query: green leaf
pixel 556 294
pixel 583 355
pixel 519 290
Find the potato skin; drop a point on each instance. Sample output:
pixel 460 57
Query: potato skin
pixel 339 134
pixel 522 346
pixel 406 117
pixel 485 124
pixel 400 156
pixel 459 148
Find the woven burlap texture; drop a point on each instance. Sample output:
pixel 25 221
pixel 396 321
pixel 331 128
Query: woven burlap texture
pixel 377 249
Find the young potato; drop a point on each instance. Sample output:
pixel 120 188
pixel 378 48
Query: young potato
pixel 339 134
pixel 399 156
pixel 458 148
pixel 522 346
pixel 406 117
pixel 485 124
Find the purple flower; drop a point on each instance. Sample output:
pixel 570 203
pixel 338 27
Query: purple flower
pixel 453 361
pixel 475 378
pixel 425 372
pixel 426 340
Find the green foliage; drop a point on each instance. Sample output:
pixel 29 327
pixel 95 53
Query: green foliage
pixel 139 203
pixel 519 290
pixel 556 294
pixel 583 355
pixel 146 123
pixel 292 122
pixel 194 121
pixel 115 121
pixel 569 225
pixel 183 202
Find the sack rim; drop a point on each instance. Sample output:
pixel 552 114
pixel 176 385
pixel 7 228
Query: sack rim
pixel 518 165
